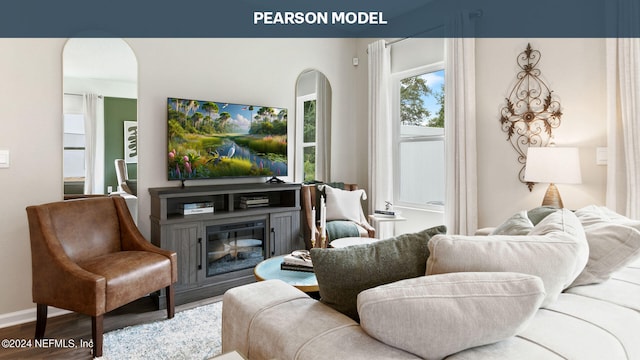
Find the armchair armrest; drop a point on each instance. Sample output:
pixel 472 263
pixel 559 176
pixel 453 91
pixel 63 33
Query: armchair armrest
pixel 133 240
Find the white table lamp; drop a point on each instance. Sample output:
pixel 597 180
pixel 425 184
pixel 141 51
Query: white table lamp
pixel 553 165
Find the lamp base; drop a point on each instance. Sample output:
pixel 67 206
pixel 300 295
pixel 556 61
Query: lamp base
pixel 552 197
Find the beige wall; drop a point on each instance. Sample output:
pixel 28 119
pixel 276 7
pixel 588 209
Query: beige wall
pixel 265 71
pixel 575 70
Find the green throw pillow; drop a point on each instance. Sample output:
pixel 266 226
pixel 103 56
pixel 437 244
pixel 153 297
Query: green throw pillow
pixel 538 214
pixel 518 224
pixel 343 273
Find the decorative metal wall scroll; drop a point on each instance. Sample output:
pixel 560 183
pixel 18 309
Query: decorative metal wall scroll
pixel 531 112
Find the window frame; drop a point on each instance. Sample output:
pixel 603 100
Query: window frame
pixel 300 143
pixel 399 139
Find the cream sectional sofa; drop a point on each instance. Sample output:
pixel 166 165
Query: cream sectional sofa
pixel 481 299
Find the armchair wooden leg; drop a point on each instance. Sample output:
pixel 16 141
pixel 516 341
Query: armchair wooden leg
pixel 171 308
pixel 41 320
pixel 97 329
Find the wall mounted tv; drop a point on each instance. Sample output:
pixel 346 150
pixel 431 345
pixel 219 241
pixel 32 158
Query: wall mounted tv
pixel 213 140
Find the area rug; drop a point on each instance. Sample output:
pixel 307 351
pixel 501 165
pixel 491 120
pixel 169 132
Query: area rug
pixel 191 334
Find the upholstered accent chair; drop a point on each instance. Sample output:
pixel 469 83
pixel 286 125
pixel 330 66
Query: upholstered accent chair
pixel 358 221
pixel 88 256
pixel 124 183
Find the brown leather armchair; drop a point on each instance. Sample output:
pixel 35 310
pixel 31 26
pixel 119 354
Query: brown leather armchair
pixel 308 196
pixel 88 256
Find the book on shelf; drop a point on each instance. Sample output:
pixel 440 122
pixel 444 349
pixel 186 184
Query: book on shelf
pixel 205 207
pixel 196 205
pixel 248 206
pixel 253 201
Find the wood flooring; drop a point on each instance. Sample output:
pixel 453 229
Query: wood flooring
pixel 70 329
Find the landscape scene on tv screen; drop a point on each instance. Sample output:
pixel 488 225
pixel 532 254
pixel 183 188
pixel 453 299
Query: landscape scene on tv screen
pixel 208 140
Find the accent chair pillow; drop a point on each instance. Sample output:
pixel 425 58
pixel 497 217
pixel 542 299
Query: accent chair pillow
pixel 458 311
pixel 518 224
pixel 343 273
pixel 614 242
pixel 556 250
pixel 343 204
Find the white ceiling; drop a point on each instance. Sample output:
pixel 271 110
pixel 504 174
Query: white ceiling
pixel 100 58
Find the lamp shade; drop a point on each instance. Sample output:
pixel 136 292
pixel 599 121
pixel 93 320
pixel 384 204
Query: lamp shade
pixel 559 165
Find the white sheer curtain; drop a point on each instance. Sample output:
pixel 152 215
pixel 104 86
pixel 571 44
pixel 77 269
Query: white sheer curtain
pixel 380 126
pixel 323 131
pixel 461 204
pixel 623 111
pixel 93 110
pixel 623 120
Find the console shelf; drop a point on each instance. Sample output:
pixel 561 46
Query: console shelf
pixel 275 207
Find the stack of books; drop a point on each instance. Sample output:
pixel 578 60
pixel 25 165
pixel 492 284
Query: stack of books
pixel 247 202
pixel 385 213
pixel 299 260
pixel 196 208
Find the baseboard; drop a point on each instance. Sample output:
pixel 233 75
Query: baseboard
pixel 28 315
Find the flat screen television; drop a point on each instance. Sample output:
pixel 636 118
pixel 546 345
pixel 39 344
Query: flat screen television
pixel 213 140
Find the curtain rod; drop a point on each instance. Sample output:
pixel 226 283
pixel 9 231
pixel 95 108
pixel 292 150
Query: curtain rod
pixel 472 15
pixel 72 94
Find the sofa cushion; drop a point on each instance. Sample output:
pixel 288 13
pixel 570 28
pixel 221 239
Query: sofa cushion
pixel 462 310
pixel 556 250
pixel 613 243
pixel 344 272
pixel 343 204
pixel 517 224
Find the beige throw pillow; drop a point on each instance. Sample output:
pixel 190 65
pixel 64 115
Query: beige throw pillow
pixel 435 316
pixel 556 250
pixel 614 242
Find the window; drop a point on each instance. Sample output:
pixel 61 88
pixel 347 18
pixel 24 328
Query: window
pixel 309 144
pixel 418 108
pixel 309 140
pixel 73 147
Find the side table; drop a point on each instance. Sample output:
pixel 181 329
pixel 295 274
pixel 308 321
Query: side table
pixel 376 222
pixel 269 269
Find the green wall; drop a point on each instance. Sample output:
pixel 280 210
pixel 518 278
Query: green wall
pixel 116 112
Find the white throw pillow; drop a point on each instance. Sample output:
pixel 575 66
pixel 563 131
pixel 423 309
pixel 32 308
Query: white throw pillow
pixel 343 204
pixel 614 242
pixel 435 316
pixel 556 250
pixel 611 247
pixel 518 224
pixel 594 214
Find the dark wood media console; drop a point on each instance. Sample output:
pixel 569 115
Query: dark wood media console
pixel 218 250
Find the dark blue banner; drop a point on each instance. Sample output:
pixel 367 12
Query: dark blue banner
pixel 320 18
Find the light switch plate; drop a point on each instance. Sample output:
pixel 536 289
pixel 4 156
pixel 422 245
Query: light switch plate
pixel 601 156
pixel 4 158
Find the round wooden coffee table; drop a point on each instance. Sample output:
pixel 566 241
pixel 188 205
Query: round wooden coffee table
pixel 269 269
